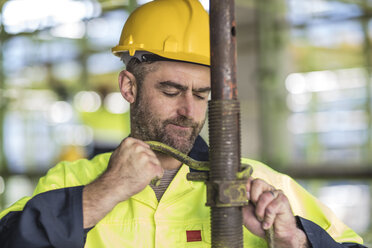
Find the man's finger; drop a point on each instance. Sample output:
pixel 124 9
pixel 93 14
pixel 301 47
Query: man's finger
pixel 250 221
pixel 150 153
pixel 258 186
pixel 248 187
pixel 271 212
pixel 143 143
pixel 265 199
pixel 127 141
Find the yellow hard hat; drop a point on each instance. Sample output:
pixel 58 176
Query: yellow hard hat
pixel 171 29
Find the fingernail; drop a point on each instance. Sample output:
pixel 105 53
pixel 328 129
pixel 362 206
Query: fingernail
pixel 265 225
pixel 248 195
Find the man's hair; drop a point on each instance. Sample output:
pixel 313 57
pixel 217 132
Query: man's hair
pixel 140 70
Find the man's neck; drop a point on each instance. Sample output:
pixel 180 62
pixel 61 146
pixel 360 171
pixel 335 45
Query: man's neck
pixel 168 162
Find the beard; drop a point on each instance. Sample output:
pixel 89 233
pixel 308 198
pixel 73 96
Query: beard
pixel 148 127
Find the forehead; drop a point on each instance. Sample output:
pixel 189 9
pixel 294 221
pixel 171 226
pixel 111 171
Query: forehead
pixel 180 72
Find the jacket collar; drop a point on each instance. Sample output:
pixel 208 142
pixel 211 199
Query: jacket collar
pixel 200 151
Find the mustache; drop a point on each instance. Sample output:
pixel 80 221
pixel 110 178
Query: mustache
pixel 181 121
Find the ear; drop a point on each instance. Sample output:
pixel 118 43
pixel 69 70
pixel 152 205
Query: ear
pixel 128 86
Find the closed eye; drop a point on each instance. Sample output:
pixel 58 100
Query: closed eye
pixel 171 94
pixel 199 96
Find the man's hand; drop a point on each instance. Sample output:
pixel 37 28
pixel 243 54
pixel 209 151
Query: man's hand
pixel 131 167
pixel 270 207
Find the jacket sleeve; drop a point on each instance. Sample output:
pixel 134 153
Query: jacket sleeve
pixel 319 238
pixel 49 219
pixel 320 224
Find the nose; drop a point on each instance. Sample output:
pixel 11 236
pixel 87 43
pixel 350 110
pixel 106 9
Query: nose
pixel 186 105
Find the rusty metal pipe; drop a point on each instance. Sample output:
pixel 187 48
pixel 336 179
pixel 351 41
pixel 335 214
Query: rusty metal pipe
pixel 224 121
pixel 223 50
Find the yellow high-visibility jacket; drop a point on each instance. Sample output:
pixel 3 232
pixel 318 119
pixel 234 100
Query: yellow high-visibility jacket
pixel 142 221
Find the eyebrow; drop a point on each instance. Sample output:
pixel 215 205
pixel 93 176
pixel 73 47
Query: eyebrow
pixel 166 84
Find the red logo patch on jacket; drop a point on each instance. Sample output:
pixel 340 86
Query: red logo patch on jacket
pixel 194 235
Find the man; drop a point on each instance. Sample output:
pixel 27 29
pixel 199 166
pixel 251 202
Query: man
pixel 108 202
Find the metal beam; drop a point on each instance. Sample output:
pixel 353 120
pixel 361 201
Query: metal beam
pixel 224 123
pixel 297 171
pixel 329 171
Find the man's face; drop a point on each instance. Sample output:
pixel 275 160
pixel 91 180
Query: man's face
pixel 172 103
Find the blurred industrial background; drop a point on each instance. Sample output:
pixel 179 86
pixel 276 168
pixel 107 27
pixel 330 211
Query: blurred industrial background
pixel 304 75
